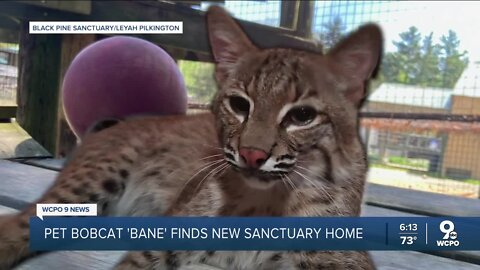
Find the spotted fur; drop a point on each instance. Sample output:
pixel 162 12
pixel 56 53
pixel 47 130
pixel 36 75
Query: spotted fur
pixel 192 166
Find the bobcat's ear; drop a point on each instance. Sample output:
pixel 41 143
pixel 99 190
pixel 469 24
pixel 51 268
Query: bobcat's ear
pixel 227 39
pixel 357 57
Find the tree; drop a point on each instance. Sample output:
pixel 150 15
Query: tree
pixel 452 62
pixel 429 63
pixel 418 61
pixel 403 65
pixel 331 33
pixel 199 80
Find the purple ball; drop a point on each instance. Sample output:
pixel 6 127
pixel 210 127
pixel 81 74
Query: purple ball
pixel 119 77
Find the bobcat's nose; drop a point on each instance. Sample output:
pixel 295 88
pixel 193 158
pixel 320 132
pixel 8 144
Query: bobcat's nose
pixel 254 158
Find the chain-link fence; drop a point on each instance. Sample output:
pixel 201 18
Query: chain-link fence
pixel 420 121
pixel 264 12
pixel 8 74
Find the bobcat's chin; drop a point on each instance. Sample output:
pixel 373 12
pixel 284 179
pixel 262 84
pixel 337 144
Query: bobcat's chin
pixel 261 183
pixel 259 179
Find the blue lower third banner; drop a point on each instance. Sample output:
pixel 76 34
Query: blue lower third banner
pixel 235 233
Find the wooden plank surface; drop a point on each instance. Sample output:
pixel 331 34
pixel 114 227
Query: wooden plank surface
pixel 46 163
pixel 78 260
pixel 15 142
pixel 419 202
pixel 403 200
pixel 410 260
pixel 384 260
pixel 374 211
pixel 6 210
pixel 22 184
pixel 461 255
pixel 86 260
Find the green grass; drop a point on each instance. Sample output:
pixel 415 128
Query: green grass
pixel 473 181
pixel 410 162
pixel 384 166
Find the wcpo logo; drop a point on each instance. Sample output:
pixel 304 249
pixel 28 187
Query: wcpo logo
pixel 450 235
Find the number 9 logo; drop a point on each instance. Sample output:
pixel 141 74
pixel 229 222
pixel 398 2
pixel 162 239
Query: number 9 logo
pixel 447 227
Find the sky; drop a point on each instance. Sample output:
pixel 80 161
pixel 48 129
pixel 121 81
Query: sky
pixel 393 16
pixel 434 16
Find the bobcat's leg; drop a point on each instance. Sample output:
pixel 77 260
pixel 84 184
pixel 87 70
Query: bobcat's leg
pixel 164 260
pixel 97 179
pixel 136 260
pixel 341 260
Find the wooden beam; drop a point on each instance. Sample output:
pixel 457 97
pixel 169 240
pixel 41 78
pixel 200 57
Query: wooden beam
pixel 9 36
pixel 21 11
pixel 194 37
pixel 197 2
pixel 305 19
pixel 38 85
pixel 75 6
pixel 469 118
pixel 401 260
pixel 9 22
pixel 7 112
pixel 419 202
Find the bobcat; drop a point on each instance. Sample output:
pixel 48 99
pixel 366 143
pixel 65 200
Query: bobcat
pixel 281 140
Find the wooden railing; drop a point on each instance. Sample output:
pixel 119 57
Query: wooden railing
pixel 7 112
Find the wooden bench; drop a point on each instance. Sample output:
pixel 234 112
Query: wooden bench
pixel 23 182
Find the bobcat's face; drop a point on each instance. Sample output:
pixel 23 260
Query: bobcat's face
pixel 271 112
pixel 275 107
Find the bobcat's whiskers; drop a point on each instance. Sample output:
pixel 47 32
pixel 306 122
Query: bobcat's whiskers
pixel 212 156
pixel 206 166
pixel 212 172
pixel 319 188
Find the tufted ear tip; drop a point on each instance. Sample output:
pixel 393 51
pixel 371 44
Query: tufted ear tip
pixel 227 40
pixel 360 52
pixel 358 57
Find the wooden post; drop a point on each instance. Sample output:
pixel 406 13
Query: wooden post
pixel 289 14
pixel 305 18
pixel 38 85
pixel 71 46
pixel 7 112
pixel 44 60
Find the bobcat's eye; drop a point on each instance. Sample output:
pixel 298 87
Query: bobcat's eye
pixel 240 105
pixel 301 116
